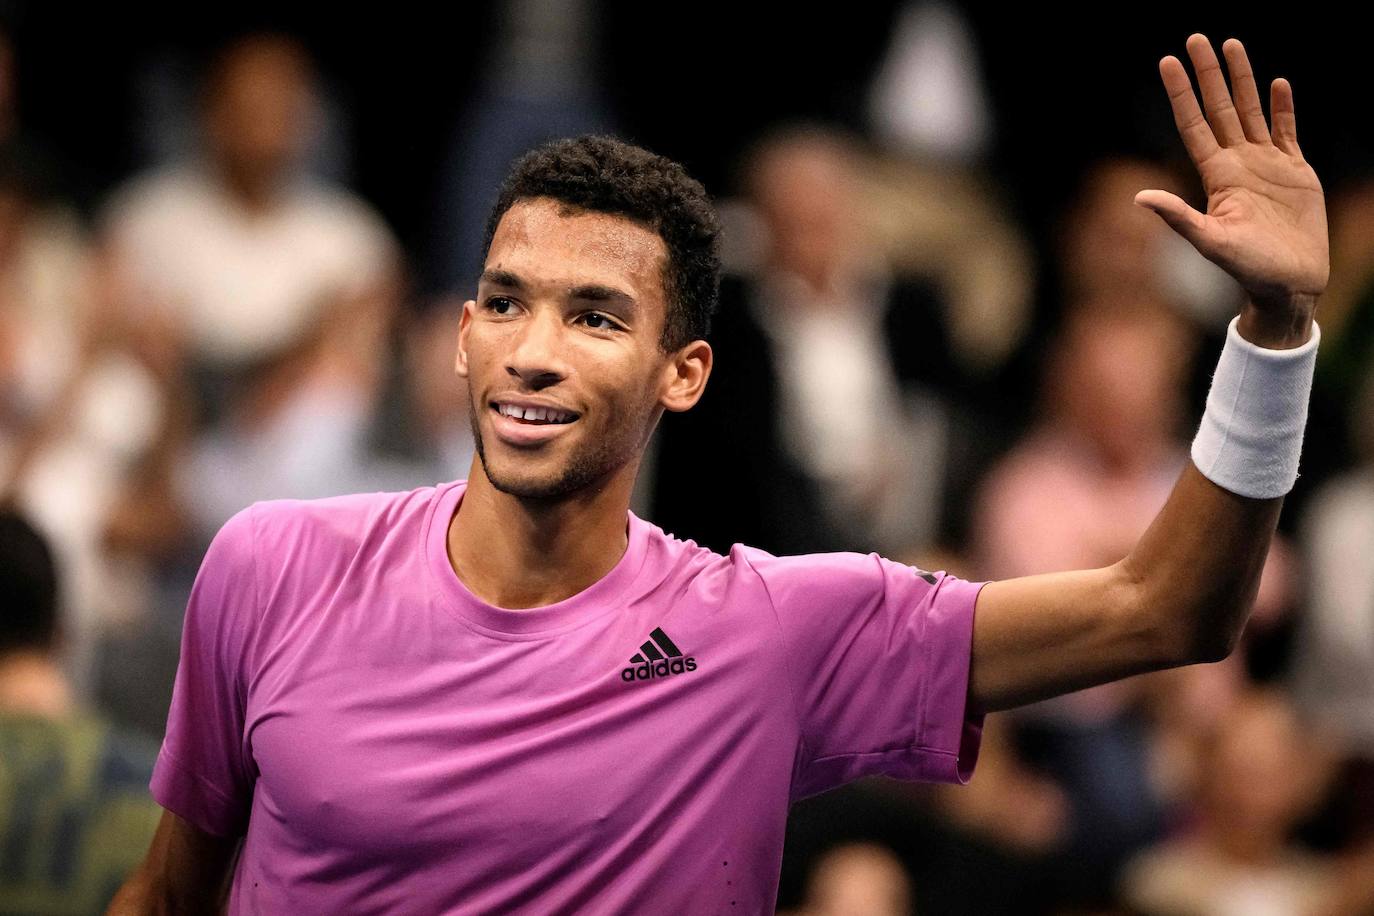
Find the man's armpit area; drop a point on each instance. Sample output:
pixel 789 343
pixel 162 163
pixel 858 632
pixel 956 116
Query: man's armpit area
pixel 189 795
pixel 916 763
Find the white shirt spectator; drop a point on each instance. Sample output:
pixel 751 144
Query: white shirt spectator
pixel 244 284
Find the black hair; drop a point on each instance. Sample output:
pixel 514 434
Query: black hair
pixel 605 175
pixel 28 586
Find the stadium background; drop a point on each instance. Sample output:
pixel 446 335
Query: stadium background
pixel 1074 798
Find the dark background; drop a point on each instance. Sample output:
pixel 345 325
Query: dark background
pixel 697 81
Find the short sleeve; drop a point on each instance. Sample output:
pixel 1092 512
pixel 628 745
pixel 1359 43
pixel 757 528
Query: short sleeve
pixel 202 772
pixel 878 653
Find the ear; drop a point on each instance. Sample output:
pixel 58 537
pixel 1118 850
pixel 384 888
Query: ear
pixel 460 365
pixel 684 376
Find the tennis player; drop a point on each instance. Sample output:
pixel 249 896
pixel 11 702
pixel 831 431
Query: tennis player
pixel 510 694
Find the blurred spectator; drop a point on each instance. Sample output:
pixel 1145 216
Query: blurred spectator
pixel 1332 673
pixel 1083 486
pixel 75 409
pixel 1346 355
pixel 416 433
pixel 1185 708
pixel 1260 776
pixel 167 121
pixel 237 252
pixel 541 79
pixel 270 290
pixel 1347 306
pixel 424 433
pixel 857 879
pixel 258 300
pixel 44 304
pixel 75 816
pixel 1003 784
pixel 829 449
pixel 932 208
pixel 1109 248
pixel 952 225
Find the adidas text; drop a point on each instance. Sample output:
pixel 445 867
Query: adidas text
pixel 663 668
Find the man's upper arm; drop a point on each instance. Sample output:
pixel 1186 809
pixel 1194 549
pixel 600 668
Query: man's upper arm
pixel 204 771
pixel 1041 636
pixel 1180 597
pixel 877 656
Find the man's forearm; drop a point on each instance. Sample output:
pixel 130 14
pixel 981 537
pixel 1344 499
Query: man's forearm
pixel 136 897
pixel 1199 563
pixel 1197 568
pixel 185 871
pixel 141 895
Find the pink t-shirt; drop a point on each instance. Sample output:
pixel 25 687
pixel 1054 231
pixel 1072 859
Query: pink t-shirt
pixel 392 744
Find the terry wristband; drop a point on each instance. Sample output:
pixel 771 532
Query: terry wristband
pixel 1251 433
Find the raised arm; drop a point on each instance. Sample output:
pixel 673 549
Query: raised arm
pixel 1183 593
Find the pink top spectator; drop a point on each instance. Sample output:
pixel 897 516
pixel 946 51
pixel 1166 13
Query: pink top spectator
pixel 391 743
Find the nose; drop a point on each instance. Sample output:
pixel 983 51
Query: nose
pixel 536 356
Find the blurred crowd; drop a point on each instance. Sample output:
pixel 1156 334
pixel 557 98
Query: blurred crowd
pixel 235 324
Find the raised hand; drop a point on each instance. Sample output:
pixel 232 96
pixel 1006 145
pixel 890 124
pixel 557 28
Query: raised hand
pixel 1265 223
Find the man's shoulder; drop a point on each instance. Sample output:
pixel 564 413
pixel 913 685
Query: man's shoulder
pixel 834 577
pixel 746 558
pixel 344 522
pixel 153 192
pixel 753 565
pixel 337 211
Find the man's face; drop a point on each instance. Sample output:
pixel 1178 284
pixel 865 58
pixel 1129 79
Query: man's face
pixel 568 315
pixel 259 120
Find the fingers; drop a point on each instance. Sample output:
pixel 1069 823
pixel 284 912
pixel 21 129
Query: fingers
pixel 1234 115
pixel 1221 113
pixel 1175 211
pixel 1246 93
pixel 1192 126
pixel 1285 125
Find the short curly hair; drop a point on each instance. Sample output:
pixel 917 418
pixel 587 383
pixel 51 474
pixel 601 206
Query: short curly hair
pixel 599 173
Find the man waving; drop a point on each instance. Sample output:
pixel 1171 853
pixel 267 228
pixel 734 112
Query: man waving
pixel 509 693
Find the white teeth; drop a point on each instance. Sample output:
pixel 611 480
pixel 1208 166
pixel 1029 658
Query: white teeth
pixel 539 414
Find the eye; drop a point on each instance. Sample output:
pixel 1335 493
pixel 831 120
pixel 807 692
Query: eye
pixel 495 302
pixel 606 323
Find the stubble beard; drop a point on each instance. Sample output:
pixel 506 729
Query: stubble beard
pixel 593 462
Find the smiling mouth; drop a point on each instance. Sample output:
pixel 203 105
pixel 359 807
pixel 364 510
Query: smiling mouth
pixel 540 418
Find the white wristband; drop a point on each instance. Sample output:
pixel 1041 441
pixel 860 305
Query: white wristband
pixel 1251 432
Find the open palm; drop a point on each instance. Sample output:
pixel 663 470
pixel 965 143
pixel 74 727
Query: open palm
pixel 1265 223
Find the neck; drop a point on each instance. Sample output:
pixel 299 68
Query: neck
pixel 254 191
pixel 519 553
pixel 1250 847
pixel 31 682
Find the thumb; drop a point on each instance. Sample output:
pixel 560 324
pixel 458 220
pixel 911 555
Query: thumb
pixel 1175 211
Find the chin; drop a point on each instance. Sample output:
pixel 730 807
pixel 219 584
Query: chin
pixel 529 486
pixel 534 479
pixel 582 473
pixel 589 465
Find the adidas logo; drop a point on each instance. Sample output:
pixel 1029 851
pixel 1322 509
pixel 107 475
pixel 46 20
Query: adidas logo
pixel 659 656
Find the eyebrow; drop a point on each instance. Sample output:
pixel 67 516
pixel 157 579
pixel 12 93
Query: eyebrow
pixel 594 292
